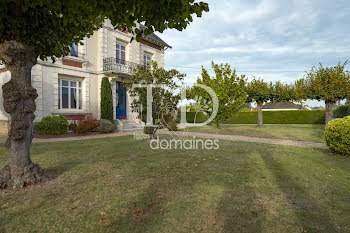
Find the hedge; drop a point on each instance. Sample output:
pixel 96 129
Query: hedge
pixel 270 117
pixel 342 111
pixel 199 118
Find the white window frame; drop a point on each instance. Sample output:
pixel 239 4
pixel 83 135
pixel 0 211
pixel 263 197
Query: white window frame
pixel 79 89
pixel 146 61
pixel 121 61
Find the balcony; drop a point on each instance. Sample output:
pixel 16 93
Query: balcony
pixel 74 59
pixel 118 66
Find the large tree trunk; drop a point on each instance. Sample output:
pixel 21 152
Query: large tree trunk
pixel 260 116
pixel 329 111
pixel 19 101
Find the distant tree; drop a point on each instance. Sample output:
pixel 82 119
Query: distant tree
pixel 106 100
pixel 164 99
pixel 299 91
pixel 329 84
pixel 229 88
pixel 46 28
pixel 282 92
pixel 259 92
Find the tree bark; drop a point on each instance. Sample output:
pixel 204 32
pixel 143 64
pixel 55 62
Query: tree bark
pixel 260 116
pixel 329 111
pixel 19 101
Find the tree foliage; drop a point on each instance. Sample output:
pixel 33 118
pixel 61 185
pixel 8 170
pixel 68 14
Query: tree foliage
pixel 52 26
pixel 327 83
pixel 106 100
pixel 229 88
pixel 164 98
pixel 259 91
pixel 44 28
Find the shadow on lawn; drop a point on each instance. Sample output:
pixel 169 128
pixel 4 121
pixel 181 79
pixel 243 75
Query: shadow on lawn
pixel 241 214
pixel 240 208
pixel 311 216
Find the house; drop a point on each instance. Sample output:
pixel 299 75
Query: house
pixel 280 106
pixel 71 85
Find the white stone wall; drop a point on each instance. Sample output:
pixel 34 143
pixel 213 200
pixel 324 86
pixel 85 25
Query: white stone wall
pixel 99 46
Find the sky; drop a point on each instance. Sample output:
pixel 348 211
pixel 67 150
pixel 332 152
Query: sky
pixel 269 39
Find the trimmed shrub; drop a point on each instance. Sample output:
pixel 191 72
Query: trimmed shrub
pixel 84 126
pixel 172 125
pixel 200 117
pixel 149 129
pixel 105 126
pixel 270 117
pixel 88 125
pixel 337 135
pixel 280 117
pixel 106 100
pixel 55 125
pixel 342 111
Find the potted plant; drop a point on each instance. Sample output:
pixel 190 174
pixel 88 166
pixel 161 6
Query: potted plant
pixel 123 118
pixel 138 119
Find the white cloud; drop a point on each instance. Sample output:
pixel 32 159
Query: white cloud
pixel 269 37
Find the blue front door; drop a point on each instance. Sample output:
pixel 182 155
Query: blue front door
pixel 121 101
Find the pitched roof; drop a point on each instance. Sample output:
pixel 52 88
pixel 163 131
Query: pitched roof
pixel 281 105
pixel 154 38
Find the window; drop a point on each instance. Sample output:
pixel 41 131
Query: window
pixel 74 50
pixel 69 94
pixel 146 60
pixel 120 53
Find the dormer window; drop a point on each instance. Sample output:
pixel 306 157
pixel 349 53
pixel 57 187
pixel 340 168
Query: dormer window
pixel 120 53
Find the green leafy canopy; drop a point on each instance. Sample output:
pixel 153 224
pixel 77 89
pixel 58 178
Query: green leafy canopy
pixel 229 88
pixel 164 99
pixel 327 83
pixel 52 26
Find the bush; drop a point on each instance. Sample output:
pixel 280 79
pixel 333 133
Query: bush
pixel 88 125
pixel 84 126
pixel 106 126
pixel 106 100
pixel 172 125
pixel 170 121
pixel 337 135
pixel 342 111
pixel 149 129
pixel 55 125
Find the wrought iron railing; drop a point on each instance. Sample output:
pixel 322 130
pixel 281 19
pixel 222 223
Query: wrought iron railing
pixel 119 65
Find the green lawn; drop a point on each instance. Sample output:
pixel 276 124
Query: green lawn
pixel 312 133
pixel 242 187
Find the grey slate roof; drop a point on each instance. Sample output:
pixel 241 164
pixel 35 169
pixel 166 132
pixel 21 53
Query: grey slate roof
pixel 153 37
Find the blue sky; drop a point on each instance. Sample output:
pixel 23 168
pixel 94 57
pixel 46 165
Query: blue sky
pixel 270 39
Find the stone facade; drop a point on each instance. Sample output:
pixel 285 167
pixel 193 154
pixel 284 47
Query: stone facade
pixel 88 68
